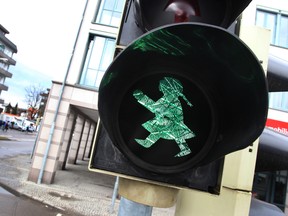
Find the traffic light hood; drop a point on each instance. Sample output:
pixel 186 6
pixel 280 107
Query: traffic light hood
pixel 150 14
pixel 218 104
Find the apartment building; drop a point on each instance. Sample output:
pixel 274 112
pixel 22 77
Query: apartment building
pixel 7 49
pixel 69 123
pixel 71 114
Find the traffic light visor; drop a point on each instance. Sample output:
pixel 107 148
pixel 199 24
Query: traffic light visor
pixel 150 14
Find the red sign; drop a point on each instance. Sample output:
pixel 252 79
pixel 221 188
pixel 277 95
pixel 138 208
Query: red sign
pixel 279 126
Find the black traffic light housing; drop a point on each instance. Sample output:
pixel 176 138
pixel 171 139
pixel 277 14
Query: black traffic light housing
pixel 221 94
pixel 272 151
pixel 107 158
pixel 220 77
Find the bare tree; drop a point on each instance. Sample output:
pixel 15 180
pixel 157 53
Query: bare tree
pixel 33 99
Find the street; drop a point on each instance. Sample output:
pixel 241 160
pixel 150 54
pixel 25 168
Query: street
pixel 11 148
pixel 76 190
pixel 11 202
pixel 17 142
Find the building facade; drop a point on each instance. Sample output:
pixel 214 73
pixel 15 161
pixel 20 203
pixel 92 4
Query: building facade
pixel 272 186
pixel 71 115
pixel 7 49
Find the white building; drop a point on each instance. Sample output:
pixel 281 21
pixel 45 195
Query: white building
pixel 7 49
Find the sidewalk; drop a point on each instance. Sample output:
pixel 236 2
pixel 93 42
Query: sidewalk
pixel 76 190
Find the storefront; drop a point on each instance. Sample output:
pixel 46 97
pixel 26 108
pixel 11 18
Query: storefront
pixel 271 187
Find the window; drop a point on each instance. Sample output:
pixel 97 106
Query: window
pixel 277 22
pixel 271 187
pixel 110 12
pixel 2 47
pixel 278 100
pixel 99 55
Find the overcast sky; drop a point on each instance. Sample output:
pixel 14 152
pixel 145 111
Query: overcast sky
pixel 44 32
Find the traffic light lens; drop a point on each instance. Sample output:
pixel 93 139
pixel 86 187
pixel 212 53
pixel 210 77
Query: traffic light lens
pixel 150 15
pixel 166 122
pixel 183 9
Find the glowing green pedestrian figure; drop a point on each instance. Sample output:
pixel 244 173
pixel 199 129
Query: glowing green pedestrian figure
pixel 168 121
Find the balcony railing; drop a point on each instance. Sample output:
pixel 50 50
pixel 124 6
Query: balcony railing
pixel 5 73
pixel 3 87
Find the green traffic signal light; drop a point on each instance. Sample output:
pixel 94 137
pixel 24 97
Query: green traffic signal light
pixel 168 133
pixel 168 122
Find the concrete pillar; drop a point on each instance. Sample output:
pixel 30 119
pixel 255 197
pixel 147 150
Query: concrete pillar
pixel 52 157
pixel 75 143
pixel 90 140
pixel 83 141
pixel 67 140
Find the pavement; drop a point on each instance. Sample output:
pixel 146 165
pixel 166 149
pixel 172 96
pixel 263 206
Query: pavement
pixel 75 191
pixel 11 204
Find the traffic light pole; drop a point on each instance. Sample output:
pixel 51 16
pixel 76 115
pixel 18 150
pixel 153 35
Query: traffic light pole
pixel 138 198
pixel 129 208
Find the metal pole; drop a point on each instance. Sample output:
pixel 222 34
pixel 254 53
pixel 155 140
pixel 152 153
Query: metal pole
pixel 130 208
pixel 35 142
pixel 115 191
pixel 58 104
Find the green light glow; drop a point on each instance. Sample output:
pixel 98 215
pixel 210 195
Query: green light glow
pixel 162 41
pixel 168 122
pixel 108 78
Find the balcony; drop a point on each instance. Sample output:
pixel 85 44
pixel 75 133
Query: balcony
pixel 10 61
pixel 3 87
pixel 5 73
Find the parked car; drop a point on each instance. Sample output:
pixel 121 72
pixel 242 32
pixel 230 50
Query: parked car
pixel 14 125
pixel 28 128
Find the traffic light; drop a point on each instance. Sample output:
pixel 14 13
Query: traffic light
pixel 180 97
pixel 276 74
pixel 141 16
pixel 183 95
pixel 272 151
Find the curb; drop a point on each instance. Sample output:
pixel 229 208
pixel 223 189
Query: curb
pixel 18 194
pixel 4 138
